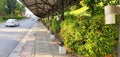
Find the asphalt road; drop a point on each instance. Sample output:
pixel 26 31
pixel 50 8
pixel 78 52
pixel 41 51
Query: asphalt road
pixel 11 36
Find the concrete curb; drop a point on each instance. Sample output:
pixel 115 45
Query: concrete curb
pixel 21 44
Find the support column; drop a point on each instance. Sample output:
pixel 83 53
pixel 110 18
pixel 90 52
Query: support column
pixel 48 22
pixel 119 37
pixel 62 9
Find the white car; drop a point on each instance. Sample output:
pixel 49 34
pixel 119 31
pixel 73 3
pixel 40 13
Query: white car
pixel 12 22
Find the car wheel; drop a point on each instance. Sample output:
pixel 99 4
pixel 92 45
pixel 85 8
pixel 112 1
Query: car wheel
pixel 18 25
pixel 15 25
pixel 6 26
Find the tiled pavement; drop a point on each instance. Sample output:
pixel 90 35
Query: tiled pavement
pixel 39 44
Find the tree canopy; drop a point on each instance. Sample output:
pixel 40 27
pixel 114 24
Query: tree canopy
pixel 10 7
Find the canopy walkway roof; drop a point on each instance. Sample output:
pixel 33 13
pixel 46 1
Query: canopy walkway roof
pixel 43 8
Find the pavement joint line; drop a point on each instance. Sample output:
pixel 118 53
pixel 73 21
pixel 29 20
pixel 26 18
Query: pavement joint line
pixel 21 44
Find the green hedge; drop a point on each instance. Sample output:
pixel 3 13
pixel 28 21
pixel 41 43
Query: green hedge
pixel 12 16
pixel 89 36
pixel 55 25
pixel 2 20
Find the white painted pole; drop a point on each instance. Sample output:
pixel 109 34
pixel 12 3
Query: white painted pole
pixel 110 14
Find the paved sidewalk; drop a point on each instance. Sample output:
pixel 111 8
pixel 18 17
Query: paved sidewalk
pixel 39 44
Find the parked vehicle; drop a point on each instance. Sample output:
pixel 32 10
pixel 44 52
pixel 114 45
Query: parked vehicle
pixel 12 22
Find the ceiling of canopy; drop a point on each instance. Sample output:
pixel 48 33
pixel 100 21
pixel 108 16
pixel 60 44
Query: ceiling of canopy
pixel 43 8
